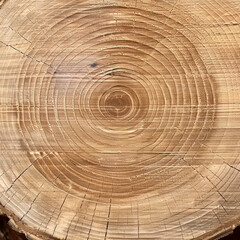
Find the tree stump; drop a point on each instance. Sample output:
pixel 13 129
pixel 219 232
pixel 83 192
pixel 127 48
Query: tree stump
pixel 120 119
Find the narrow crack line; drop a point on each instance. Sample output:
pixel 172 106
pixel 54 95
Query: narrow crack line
pixel 70 225
pixel 221 195
pixel 4 43
pixel 90 229
pixel 26 170
pixel 232 166
pixel 211 151
pixel 224 208
pixel 49 219
pixel 28 56
pixel 109 212
pixel 81 206
pixel 213 173
pixel 9 199
pixel 192 167
pixel 217 189
pixel 214 186
pixel 60 211
pixel 181 229
pixel 53 182
pixel 224 160
pixel 20 35
pixel 174 6
pixel 30 206
pixel 55 229
pixel 217 216
pixel 75 216
pixel 63 202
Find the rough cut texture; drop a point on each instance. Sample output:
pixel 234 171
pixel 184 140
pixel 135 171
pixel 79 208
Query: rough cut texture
pixel 120 119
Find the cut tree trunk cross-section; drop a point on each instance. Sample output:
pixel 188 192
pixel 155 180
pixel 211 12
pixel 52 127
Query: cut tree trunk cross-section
pixel 120 120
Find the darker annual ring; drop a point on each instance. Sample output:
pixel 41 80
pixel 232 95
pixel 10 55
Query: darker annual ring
pixel 118 101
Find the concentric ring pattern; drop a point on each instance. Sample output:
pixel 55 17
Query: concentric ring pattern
pixel 123 100
pixel 119 118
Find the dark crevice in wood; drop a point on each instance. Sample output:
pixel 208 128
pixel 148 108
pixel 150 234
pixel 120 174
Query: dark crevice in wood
pixel 235 235
pixel 7 232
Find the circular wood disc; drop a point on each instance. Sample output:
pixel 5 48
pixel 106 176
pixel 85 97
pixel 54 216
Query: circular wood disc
pixel 120 119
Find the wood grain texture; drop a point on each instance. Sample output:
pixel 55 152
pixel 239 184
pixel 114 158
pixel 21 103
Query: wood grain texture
pixel 120 119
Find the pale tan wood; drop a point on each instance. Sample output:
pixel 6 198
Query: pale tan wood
pixel 120 119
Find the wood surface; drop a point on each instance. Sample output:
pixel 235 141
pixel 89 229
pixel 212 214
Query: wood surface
pixel 120 120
